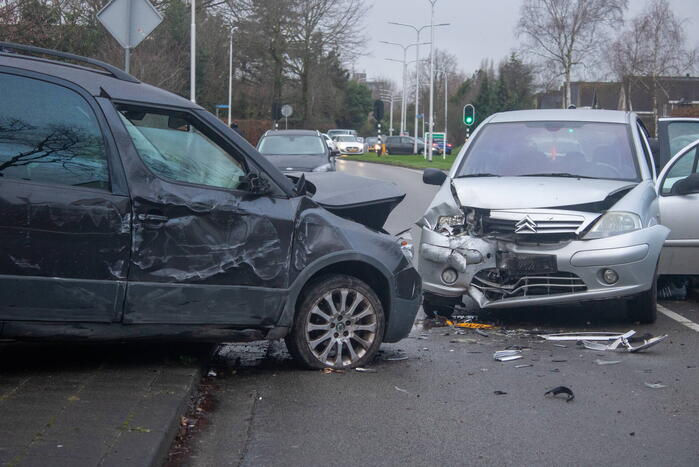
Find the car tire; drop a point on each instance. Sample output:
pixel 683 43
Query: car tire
pixel 644 307
pixel 318 332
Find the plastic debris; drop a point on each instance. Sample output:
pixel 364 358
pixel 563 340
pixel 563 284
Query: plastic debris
pixel 507 355
pixel 655 385
pixel 524 365
pixel 328 370
pixel 599 361
pixel 462 340
pixel 561 390
pixel 365 370
pixel 622 344
pixel 561 346
pixel 586 336
pixel 481 333
pixel 396 358
pixel 401 390
pixel 212 373
pixel 559 360
pixel 499 393
pixel 470 325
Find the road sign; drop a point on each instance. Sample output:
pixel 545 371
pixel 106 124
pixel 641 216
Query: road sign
pixel 287 110
pixel 129 21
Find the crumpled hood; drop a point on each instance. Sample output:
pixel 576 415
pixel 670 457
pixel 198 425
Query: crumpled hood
pixel 298 163
pixel 533 192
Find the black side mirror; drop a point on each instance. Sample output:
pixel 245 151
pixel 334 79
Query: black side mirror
pixel 686 186
pixel 432 176
pixel 256 184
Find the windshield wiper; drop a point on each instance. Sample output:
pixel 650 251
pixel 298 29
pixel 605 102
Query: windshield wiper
pixel 556 174
pixel 478 175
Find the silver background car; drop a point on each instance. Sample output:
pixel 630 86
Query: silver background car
pixel 587 228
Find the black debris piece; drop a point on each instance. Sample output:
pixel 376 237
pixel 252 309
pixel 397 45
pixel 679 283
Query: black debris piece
pixel 561 390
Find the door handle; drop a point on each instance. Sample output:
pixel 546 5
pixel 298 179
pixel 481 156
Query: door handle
pixel 152 218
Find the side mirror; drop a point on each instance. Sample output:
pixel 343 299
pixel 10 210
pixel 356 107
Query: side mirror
pixel 432 176
pixel 686 186
pixel 256 184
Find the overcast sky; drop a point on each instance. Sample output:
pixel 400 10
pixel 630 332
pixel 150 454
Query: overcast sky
pixel 479 29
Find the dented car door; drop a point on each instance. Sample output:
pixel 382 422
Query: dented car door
pixel 206 248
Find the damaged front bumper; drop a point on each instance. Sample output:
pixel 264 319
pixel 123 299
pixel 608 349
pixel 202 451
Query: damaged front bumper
pixel 499 273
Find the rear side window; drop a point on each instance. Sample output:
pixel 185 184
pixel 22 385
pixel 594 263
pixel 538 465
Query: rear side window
pixel 49 133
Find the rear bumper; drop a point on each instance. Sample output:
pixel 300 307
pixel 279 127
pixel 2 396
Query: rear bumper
pixel 632 256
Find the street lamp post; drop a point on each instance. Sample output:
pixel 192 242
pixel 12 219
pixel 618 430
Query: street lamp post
pixel 431 126
pixel 391 98
pixel 446 111
pixel 404 108
pixel 417 72
pixel 192 53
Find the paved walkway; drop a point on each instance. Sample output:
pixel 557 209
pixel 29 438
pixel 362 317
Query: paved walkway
pixel 88 405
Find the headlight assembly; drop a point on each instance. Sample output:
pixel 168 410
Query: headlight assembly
pixel 446 224
pixel 614 223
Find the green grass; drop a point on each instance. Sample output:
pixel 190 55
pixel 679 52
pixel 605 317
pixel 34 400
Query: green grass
pixel 413 161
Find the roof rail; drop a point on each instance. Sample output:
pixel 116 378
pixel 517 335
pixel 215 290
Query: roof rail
pixel 7 47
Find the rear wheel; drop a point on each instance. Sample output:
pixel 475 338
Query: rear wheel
pixel 339 324
pixel 644 307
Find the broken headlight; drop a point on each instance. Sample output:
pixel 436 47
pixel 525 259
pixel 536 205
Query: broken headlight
pixel 614 223
pixel 449 225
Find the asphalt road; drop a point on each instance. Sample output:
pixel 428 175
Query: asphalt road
pixel 450 403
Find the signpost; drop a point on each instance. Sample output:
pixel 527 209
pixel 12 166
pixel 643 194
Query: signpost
pixel 440 140
pixel 287 111
pixel 129 22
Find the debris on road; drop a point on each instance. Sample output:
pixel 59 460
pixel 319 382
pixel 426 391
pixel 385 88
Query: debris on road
pixel 212 373
pixel 463 340
pixel 561 346
pixel 599 361
pixel 481 333
pixel 655 385
pixel 507 355
pixel 499 393
pixel 365 370
pixel 586 336
pixel 622 344
pixel 401 390
pixel 470 325
pixel 524 365
pixel 328 370
pixel 561 390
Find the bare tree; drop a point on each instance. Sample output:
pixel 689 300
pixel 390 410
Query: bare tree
pixel 653 45
pixel 568 33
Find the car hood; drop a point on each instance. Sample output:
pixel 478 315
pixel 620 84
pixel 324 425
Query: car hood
pixel 364 200
pixel 300 163
pixel 533 192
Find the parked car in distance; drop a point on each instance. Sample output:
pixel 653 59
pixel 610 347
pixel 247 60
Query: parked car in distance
pixel 521 223
pixel 678 190
pixel 348 144
pixel 297 151
pixel 129 212
pixel 403 145
pixel 340 132
pixel 372 143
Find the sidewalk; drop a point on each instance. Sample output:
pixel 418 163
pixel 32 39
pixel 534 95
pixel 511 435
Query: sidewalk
pixel 88 405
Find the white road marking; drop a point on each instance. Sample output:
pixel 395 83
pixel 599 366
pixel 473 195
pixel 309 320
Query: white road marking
pixel 679 318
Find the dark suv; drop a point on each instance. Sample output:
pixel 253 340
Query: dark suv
pixel 129 212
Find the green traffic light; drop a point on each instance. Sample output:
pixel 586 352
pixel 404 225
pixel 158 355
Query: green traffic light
pixel 469 119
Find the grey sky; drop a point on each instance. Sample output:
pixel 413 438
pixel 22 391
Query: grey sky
pixel 479 29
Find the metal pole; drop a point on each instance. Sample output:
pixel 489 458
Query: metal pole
pixel 417 87
pixel 403 107
pixel 431 125
pixel 390 130
pixel 192 53
pixel 230 80
pixel 446 114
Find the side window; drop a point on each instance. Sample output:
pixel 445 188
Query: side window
pixel 683 168
pixel 173 146
pixel 49 134
pixel 646 148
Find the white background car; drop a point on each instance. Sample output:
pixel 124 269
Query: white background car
pixel 348 144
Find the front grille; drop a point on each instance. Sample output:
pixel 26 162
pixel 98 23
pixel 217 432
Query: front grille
pixel 496 287
pixel 532 227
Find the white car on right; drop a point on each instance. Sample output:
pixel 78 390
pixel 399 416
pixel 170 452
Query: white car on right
pixel 348 144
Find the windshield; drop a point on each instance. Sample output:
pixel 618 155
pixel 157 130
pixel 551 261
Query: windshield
pixel 282 145
pixel 346 139
pixel 584 149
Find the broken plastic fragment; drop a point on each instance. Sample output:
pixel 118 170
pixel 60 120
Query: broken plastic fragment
pixel 329 370
pixel 470 325
pixel 586 336
pixel 561 390
pixel 401 389
pixel 211 373
pixel 655 385
pixel 623 345
pixel 395 358
pixel 507 355
pixel 499 393
pixel 365 370
pixel 524 365
pixel 607 362
pixel 463 340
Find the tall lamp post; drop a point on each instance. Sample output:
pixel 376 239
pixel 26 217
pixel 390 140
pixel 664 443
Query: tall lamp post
pixel 431 127
pixel 446 110
pixel 417 72
pixel 192 54
pixel 404 108
pixel 390 98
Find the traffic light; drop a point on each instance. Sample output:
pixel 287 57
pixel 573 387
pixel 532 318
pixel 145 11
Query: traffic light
pixel 276 111
pixel 378 110
pixel 469 115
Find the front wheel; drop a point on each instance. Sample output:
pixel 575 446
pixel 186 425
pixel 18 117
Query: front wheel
pixel 339 324
pixel 644 307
